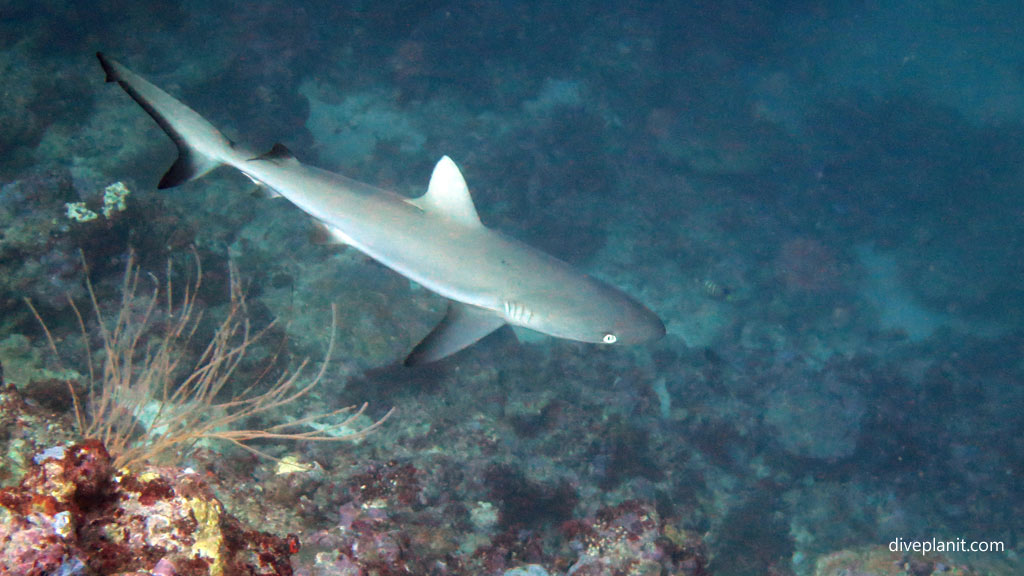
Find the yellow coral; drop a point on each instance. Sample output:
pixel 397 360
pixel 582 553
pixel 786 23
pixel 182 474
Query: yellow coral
pixel 209 537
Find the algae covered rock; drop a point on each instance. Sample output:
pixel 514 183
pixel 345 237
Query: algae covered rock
pixel 880 561
pixel 73 514
pixel 817 415
pixel 631 538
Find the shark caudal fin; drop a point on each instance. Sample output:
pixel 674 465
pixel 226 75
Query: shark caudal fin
pixel 201 147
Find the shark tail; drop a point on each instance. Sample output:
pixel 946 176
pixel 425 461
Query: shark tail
pixel 201 147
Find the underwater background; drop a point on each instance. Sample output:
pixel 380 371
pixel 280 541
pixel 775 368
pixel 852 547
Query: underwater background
pixel 824 202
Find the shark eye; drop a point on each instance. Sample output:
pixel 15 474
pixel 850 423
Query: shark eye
pixel 609 339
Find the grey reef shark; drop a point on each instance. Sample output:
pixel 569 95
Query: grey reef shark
pixel 436 240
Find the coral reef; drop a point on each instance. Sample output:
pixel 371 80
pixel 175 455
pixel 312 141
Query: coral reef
pixel 882 562
pixel 72 513
pixel 816 415
pixel 631 539
pixel 831 228
pixel 37 248
pixel 28 425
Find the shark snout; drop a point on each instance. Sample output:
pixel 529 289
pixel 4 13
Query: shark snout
pixel 636 325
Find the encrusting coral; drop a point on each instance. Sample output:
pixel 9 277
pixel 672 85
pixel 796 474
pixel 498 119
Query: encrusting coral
pixel 72 513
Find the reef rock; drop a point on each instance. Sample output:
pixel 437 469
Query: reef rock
pixel 73 514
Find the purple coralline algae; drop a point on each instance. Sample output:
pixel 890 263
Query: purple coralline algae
pixel 632 540
pixel 73 514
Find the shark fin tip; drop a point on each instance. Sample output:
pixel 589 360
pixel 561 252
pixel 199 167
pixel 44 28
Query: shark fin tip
pixel 108 67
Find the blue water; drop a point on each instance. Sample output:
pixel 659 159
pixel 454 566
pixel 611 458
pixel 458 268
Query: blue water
pixel 822 200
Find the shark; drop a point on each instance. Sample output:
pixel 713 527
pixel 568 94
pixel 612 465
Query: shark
pixel 437 240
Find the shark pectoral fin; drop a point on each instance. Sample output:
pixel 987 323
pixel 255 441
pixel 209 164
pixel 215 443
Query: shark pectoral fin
pixel 525 335
pixel 461 326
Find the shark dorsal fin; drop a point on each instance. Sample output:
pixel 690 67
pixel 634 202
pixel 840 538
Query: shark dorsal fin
pixel 448 195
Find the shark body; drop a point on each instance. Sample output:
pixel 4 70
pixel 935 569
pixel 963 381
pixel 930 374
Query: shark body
pixel 437 240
